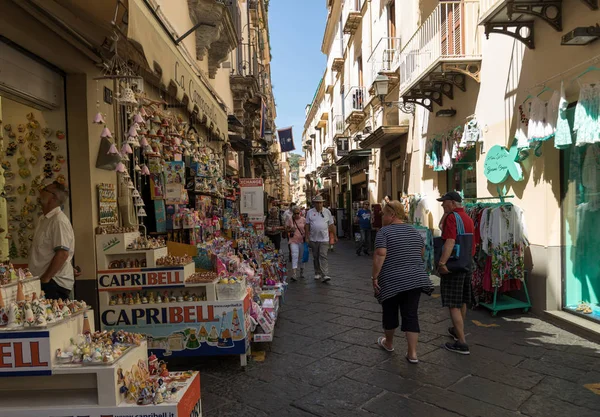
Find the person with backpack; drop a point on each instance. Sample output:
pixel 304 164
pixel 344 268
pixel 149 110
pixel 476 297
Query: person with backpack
pixel 274 226
pixel 455 283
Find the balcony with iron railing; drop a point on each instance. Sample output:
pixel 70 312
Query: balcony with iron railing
pixel 449 41
pixel 354 104
pixel 352 15
pixel 385 59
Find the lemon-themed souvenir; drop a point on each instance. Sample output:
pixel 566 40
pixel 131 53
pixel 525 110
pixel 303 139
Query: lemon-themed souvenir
pixel 33 148
pixel 56 167
pixel 6 165
pixel 33 160
pixel 22 189
pixel 61 179
pixel 60 134
pixel 9 175
pixel 34 124
pixel 11 149
pixel 46 132
pixel 60 159
pixel 30 116
pixel 24 173
pixel 21 128
pixel 22 161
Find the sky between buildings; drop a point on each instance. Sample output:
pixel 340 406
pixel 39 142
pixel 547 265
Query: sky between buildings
pixel 296 30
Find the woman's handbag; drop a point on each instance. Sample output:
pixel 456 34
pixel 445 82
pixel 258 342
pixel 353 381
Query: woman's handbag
pixel 461 258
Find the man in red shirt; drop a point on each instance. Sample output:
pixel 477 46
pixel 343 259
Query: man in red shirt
pixel 455 286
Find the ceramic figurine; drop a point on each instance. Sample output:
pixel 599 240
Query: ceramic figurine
pixel 144 300
pixel 138 300
pixel 49 314
pixel 112 301
pixel 151 299
pixel 15 317
pixel 153 364
pixel 29 317
pixel 163 371
pixel 65 311
pixel 130 300
pixel 158 299
pixel 120 299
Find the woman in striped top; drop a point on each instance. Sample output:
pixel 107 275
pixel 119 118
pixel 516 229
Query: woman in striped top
pixel 398 277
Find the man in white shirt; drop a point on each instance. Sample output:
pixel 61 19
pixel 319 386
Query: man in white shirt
pixel 319 222
pixel 53 245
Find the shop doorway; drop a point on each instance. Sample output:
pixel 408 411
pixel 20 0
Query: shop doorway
pixel 580 208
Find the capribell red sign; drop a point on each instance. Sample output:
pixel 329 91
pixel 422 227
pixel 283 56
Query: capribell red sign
pixel 130 279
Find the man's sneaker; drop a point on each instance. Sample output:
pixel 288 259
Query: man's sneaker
pixel 326 278
pixel 317 277
pixel 452 333
pixel 458 347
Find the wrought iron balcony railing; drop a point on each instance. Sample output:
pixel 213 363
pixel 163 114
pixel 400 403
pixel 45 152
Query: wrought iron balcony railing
pixel 450 34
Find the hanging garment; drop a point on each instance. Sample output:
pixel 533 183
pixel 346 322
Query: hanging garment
pixel 590 176
pixel 587 123
pixel 536 126
pixel 562 137
pixel 447 158
pixel 552 115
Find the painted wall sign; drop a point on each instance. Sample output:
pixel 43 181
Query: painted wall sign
pixel 129 279
pixel 25 353
pixel 500 163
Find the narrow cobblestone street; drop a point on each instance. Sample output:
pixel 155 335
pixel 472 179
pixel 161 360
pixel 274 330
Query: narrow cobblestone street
pixel 325 361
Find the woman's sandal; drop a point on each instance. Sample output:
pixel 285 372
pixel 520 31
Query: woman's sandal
pixel 381 341
pixel 413 361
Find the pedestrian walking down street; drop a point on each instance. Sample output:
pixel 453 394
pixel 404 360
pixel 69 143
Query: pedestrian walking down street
pixel 296 226
pixel 455 286
pixel 274 227
pixel 398 278
pixel 364 219
pixel 319 222
pixel 287 215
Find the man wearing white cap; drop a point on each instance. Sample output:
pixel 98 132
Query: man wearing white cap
pixel 319 222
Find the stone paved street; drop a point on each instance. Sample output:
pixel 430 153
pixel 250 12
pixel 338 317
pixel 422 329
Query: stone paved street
pixel 324 361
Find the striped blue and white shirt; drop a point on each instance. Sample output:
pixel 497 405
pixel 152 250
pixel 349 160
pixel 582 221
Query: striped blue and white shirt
pixel 403 268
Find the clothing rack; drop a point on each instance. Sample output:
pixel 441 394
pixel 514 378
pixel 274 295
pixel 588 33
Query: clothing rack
pixel 502 302
pixel 560 74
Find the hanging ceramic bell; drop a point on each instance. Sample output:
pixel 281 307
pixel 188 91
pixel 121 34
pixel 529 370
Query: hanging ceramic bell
pixel 137 168
pixel 124 157
pixel 144 142
pixel 99 119
pixel 128 96
pixel 136 194
pixel 177 141
pixel 112 150
pixel 145 170
pixel 121 167
pixel 186 153
pixel 126 149
pixel 138 118
pixel 126 175
pixel 143 112
pixel 152 133
pixel 15 317
pixel 130 185
pixel 134 142
pixel 106 133
pixel 141 212
pixel 139 202
pixel 133 131
pixel 156 119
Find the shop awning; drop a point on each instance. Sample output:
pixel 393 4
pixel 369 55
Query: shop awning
pixel 164 57
pixel 383 136
pixel 353 156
